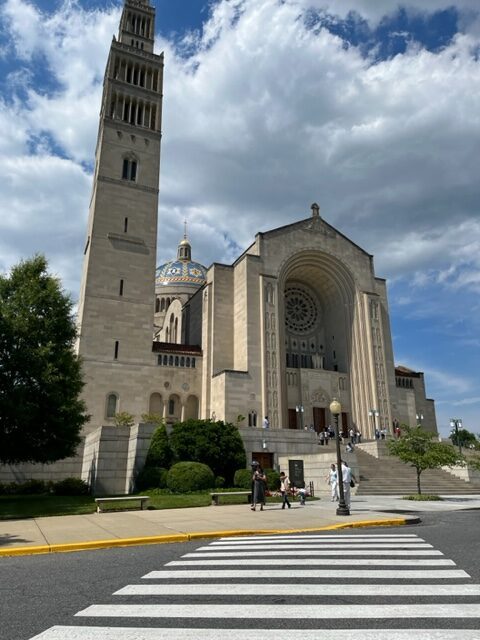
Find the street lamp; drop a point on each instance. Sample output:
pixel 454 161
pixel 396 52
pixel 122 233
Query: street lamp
pixel 335 410
pixel 456 423
pixel 299 409
pixel 374 413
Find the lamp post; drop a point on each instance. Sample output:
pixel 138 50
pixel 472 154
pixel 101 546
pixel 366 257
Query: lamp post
pixel 456 423
pixel 335 410
pixel 374 413
pixel 299 409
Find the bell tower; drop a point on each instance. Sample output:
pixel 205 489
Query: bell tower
pixel 116 305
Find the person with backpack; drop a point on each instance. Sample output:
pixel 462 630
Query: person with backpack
pixel 284 489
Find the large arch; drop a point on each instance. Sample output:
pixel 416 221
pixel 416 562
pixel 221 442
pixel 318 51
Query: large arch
pixel 315 316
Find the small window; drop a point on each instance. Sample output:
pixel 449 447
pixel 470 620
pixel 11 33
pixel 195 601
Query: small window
pixel 120 292
pixel 176 361
pixel 125 225
pixel 171 407
pixel 182 361
pixel 115 351
pixel 165 360
pixel 157 305
pixel 187 361
pixel 159 360
pixel 170 361
pixel 193 363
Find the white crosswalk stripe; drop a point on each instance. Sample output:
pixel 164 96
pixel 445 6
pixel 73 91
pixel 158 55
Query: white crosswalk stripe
pixel 394 580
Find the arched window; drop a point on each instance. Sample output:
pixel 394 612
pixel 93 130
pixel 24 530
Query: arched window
pixel 162 305
pixel 187 362
pixel 157 305
pixel 156 404
pixel 111 406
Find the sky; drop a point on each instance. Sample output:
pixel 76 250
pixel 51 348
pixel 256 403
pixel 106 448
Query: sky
pixel 370 108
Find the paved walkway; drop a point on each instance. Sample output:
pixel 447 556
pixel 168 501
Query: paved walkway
pixel 93 531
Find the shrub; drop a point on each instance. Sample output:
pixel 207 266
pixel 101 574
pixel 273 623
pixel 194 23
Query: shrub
pixel 243 478
pixel 70 487
pixel 159 453
pixel 219 482
pixel 151 478
pixel 273 479
pixel 124 419
pixel 216 444
pixel 29 487
pixel 184 477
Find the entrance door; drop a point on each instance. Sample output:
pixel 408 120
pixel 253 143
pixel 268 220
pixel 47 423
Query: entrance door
pixel 263 458
pixel 319 419
pixel 292 419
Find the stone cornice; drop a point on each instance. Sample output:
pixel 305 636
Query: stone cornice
pixel 128 183
pixel 157 58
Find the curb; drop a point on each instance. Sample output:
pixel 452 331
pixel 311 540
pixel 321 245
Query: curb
pixel 188 537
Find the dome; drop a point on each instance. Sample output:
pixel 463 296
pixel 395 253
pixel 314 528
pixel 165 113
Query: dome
pixel 181 272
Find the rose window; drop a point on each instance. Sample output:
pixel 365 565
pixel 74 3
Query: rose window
pixel 301 313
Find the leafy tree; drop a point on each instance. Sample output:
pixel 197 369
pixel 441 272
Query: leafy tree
pixel 41 414
pixel 216 444
pixel 417 447
pixel 159 453
pixel 465 438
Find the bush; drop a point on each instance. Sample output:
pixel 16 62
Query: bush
pixel 184 477
pixel 243 478
pixel 30 487
pixel 151 478
pixel 70 487
pixel 219 482
pixel 159 453
pixel 124 419
pixel 273 479
pixel 216 444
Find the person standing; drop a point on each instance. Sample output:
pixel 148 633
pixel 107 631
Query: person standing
pixel 259 479
pixel 266 423
pixel 284 489
pixel 347 477
pixel 332 480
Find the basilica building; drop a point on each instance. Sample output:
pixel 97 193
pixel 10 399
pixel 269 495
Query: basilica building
pixel 298 319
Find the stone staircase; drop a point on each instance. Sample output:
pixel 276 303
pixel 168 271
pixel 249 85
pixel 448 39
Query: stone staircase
pixel 387 475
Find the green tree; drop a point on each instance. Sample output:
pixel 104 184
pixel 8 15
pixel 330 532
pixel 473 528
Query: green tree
pixel 41 414
pixel 465 438
pixel 159 452
pixel 417 447
pixel 216 444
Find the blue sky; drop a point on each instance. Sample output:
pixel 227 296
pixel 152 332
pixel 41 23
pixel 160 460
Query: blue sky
pixel 370 108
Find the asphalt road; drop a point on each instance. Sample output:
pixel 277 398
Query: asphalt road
pixel 38 592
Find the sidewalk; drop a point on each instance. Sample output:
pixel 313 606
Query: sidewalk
pixel 124 528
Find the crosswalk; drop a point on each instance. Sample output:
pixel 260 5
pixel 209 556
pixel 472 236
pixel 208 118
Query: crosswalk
pixel 292 587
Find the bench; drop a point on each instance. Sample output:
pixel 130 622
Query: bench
pixel 216 495
pixel 141 499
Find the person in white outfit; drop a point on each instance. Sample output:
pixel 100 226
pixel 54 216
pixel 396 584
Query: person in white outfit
pixel 347 476
pixel 332 480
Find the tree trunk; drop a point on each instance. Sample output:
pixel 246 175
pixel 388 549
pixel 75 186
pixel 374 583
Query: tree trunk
pixel 418 481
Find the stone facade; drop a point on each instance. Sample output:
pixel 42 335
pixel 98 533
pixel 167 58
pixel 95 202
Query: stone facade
pixel 298 319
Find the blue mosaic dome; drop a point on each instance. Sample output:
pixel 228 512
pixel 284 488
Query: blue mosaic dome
pixel 182 272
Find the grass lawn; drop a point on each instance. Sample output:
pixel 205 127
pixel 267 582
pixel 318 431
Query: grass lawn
pixel 36 506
